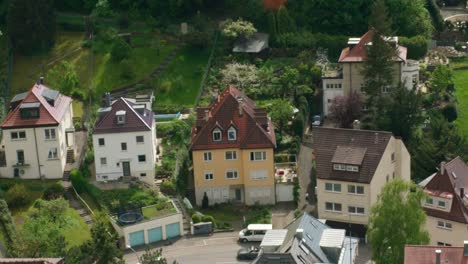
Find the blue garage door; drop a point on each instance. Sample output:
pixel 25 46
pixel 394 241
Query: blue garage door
pixel 137 238
pixel 155 234
pixel 172 230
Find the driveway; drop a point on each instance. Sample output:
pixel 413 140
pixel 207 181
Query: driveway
pixel 220 248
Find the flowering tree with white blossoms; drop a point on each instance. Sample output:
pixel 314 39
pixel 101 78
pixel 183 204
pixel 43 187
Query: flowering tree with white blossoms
pixel 240 75
pixel 238 29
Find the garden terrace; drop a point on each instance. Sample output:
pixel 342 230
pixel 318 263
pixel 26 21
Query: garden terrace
pixel 146 213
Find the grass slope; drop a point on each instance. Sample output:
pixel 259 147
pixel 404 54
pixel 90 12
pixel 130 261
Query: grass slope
pixel 461 93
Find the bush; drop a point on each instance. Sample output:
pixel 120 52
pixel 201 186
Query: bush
pixel 120 50
pixel 168 187
pixel 258 214
pixel 450 112
pixel 78 181
pixel 17 196
pixel 417 46
pixel 208 218
pixel 54 191
pixel 196 218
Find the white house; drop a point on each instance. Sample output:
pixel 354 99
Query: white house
pixel 124 140
pixel 37 135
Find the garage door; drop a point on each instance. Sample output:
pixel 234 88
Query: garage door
pixel 172 230
pixel 154 235
pixel 137 238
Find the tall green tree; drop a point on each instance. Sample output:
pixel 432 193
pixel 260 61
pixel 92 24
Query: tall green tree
pixel 103 246
pixel 31 25
pixel 153 257
pixel 281 112
pixel 284 22
pixel 63 77
pixel 6 224
pixel 440 82
pixel 396 220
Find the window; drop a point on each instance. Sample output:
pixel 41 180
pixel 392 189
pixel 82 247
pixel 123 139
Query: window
pixel 231 174
pixel 231 155
pixel 329 100
pixel 355 189
pixel 365 107
pixel 328 85
pixel 20 156
pixel 140 139
pixel 217 135
pixel 101 142
pixel 123 146
pixel 52 153
pixel 103 161
pixel 257 175
pixel 386 89
pixel 393 156
pixel 443 244
pixel 441 204
pixel 334 207
pixel 387 177
pixel 332 187
pixel 142 174
pixel 207 156
pixel 355 210
pixel 232 133
pixel 141 158
pixel 208 176
pixel 29 113
pixel 341 167
pixel 18 135
pixel 442 224
pixel 49 134
pixel 352 168
pixel 430 201
pixel 257 155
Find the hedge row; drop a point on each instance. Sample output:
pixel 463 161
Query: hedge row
pixel 417 46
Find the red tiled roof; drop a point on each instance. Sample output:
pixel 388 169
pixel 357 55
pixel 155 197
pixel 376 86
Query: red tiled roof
pixel 48 114
pixel 358 53
pixel 254 129
pixel 455 176
pixel 133 120
pixel 427 255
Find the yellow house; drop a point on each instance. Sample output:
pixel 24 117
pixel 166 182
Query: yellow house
pixel 232 150
pixel 447 204
pixel 352 166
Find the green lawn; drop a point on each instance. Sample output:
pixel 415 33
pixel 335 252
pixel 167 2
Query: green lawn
pixel 78 232
pixel 184 74
pixel 225 213
pixel 158 210
pixel 77 108
pixel 461 93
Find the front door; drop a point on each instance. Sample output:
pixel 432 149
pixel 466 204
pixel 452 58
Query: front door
pixel 238 195
pixel 126 168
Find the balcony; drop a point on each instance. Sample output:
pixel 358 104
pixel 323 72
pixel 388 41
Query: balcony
pixel 20 164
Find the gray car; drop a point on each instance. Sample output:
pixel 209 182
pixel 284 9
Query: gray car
pixel 317 120
pixel 248 253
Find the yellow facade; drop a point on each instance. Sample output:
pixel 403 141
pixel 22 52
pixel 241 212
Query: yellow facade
pixel 454 235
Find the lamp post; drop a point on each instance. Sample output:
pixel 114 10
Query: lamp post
pixel 136 254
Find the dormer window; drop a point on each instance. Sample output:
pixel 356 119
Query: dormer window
pixel 120 117
pixel 29 110
pixel 232 134
pixel 340 167
pixel 217 134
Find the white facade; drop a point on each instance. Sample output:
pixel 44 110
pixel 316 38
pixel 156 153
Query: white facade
pixel 30 153
pixel 121 150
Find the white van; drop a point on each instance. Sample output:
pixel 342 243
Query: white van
pixel 254 232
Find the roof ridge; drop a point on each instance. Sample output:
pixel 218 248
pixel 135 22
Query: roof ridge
pixel 42 100
pixel 351 129
pixel 133 110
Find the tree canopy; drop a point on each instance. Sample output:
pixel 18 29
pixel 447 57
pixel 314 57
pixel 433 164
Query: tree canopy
pixel 63 77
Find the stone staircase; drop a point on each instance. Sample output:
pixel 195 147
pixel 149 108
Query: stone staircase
pixel 73 200
pixel 70 156
pixel 185 216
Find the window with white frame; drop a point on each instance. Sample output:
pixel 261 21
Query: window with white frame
pixel 231 174
pixel 232 134
pixel 386 89
pixel 340 167
pixel 257 155
pixel 352 168
pixel 53 154
pixel 141 158
pixel 207 156
pixel 443 244
pixel 217 134
pixel 18 135
pixel 355 189
pixel 209 176
pixel 430 201
pixel 101 142
pixel 332 187
pixel 231 155
pixel 393 156
pixel 443 224
pixel 49 133
pixel 333 207
pixel 103 161
pixel 140 139
pixel 356 210
pixel 258 175
pixel 441 204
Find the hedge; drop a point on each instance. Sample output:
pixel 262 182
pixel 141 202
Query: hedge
pixel 417 46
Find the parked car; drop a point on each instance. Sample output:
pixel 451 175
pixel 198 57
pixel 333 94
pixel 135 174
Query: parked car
pixel 317 120
pixel 254 232
pixel 248 253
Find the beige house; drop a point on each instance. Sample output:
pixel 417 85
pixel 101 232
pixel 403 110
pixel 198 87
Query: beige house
pixel 447 204
pixel 232 149
pixel 38 135
pixel 352 166
pixel 348 76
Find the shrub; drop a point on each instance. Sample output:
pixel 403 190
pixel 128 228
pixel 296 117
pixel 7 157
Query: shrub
pixel 54 191
pixel 417 46
pixel 78 181
pixel 120 50
pixel 450 112
pixel 17 196
pixel 168 187
pixel 208 218
pixel 196 218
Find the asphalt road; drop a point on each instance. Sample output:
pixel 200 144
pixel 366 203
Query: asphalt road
pixel 220 248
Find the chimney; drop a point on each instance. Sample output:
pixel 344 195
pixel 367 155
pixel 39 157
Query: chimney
pixel 241 102
pixel 107 99
pixel 465 248
pixel 300 233
pixel 438 251
pixel 376 139
pixel 41 80
pixel 442 167
pixel 356 124
pixel 462 192
pixel 207 114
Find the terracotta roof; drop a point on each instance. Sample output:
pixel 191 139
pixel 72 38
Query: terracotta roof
pixel 134 121
pixel 233 109
pixel 358 53
pixel 448 183
pixel 349 155
pixel 426 255
pixel 48 114
pixel 32 260
pixel 327 140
